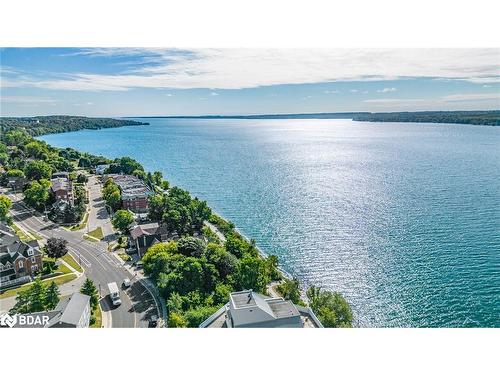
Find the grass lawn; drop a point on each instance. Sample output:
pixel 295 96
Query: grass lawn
pixel 124 256
pixel 35 235
pixel 97 233
pixel 91 239
pixel 23 236
pixel 62 268
pixel 72 262
pixel 82 224
pixel 58 280
pixel 97 313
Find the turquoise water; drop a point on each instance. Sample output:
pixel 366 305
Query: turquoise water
pixel 403 219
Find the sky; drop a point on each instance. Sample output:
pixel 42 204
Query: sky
pixel 153 82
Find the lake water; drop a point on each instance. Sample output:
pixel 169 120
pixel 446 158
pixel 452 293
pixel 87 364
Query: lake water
pixel 403 219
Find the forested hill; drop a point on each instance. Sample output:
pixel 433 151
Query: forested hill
pixel 40 125
pixel 491 118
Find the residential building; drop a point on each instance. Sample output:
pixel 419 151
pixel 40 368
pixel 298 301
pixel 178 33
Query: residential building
pixel 144 235
pixel 16 183
pixel 71 312
pixel 62 188
pixel 248 309
pixel 135 193
pixel 100 169
pixel 19 261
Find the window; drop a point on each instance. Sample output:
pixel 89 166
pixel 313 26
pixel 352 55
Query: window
pixel 34 268
pixel 30 252
pixel 5 278
pixel 33 259
pixel 20 264
pixel 1 267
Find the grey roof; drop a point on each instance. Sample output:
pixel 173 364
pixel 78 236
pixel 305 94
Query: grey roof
pixel 71 309
pixel 60 184
pixel 149 229
pixel 282 309
pixel 243 299
pixel 278 313
pixel 130 186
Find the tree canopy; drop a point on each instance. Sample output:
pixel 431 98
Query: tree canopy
pixel 56 247
pixel 122 220
pixel 331 308
pixel 5 205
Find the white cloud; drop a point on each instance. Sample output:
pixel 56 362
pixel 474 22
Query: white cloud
pixel 353 90
pixel 27 100
pixel 388 89
pixel 396 101
pixel 247 68
pixel 470 97
pixel 331 92
pixel 213 93
pixel 487 86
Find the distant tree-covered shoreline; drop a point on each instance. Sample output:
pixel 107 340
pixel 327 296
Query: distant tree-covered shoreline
pixel 40 125
pixel 489 118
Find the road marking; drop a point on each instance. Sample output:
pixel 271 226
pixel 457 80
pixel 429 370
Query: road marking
pixel 82 258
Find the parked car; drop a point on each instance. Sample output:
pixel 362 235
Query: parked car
pixel 126 282
pixel 130 250
pixel 153 321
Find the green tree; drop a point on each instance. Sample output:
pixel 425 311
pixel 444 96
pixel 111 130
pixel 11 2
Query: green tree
pixel 222 292
pixel 16 137
pixel 187 274
pixel 37 296
pixel 5 205
pixel 51 296
pixel 175 303
pixel 195 317
pixel 290 290
pixel 159 258
pixel 111 194
pixel 38 169
pixel 122 220
pixel 225 262
pixel 37 194
pixel 89 289
pixel 191 246
pixel 252 274
pixel 176 320
pixel 15 173
pixel 22 305
pixel 56 247
pixel 157 178
pixel 331 308
pixel 35 149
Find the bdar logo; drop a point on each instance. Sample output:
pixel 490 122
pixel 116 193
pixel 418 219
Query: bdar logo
pixel 7 320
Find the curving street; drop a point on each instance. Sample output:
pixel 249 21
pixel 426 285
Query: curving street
pixel 98 263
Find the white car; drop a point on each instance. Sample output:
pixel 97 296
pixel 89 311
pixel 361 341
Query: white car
pixel 126 282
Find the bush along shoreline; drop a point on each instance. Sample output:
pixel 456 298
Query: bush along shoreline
pixel 197 269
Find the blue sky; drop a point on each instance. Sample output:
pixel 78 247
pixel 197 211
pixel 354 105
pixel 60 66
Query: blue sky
pixel 135 82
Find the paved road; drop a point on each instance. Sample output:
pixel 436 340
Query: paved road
pixel 98 215
pixel 99 265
